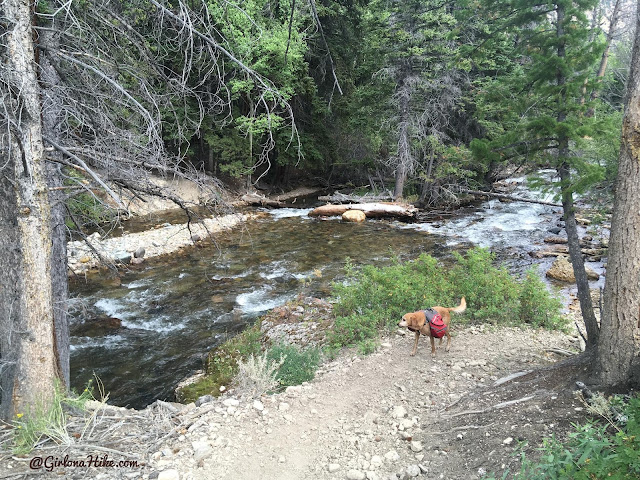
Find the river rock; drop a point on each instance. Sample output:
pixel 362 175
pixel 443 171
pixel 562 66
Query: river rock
pixel 204 399
pixel 413 471
pixel 399 412
pixel 201 451
pixel 356 475
pixel 563 270
pixel 354 216
pixel 139 253
pixel 122 257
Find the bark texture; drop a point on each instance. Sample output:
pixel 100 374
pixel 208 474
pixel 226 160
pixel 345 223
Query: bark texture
pixel 28 346
pixel 617 353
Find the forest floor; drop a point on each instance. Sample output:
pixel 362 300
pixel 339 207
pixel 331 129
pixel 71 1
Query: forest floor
pixel 382 416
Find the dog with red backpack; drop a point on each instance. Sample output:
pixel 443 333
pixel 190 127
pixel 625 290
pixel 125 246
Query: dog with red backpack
pixel 433 323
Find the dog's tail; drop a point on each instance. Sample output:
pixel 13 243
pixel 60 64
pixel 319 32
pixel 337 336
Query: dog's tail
pixel 460 308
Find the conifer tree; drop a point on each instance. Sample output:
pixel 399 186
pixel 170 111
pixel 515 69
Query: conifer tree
pixel 544 118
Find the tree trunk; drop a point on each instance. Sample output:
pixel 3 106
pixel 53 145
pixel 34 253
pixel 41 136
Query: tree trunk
pixel 617 349
pixel 604 59
pixel 575 253
pixel 28 344
pixel 51 119
pixel 370 210
pixel 404 143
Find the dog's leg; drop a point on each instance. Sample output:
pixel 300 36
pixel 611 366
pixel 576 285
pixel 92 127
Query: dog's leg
pixel 433 347
pixel 415 344
pixel 448 341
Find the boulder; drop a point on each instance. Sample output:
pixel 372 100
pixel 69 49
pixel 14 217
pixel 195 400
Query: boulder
pixel 562 270
pixel 139 253
pixel 354 216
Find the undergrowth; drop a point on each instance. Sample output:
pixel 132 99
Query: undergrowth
pixel 254 370
pixel 594 450
pixel 373 299
pixel 47 421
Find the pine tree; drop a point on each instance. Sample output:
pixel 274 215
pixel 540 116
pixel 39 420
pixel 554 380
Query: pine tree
pixel 546 121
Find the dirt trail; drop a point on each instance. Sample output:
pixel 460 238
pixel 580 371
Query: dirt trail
pixel 382 416
pixel 391 414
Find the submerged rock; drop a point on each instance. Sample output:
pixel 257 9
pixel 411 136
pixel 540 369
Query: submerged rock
pixel 96 327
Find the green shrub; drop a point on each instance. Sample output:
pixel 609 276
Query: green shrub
pixel 538 307
pixel 490 291
pixel 372 299
pixel 297 366
pixel 47 420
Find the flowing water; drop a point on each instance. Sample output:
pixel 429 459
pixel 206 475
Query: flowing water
pixel 174 311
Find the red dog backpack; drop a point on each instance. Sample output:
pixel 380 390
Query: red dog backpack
pixel 436 324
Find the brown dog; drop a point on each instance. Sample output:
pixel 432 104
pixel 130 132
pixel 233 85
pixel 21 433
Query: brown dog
pixel 417 322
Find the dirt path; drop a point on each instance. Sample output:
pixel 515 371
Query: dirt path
pixel 383 416
pixel 388 414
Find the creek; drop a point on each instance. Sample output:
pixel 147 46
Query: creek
pixel 173 311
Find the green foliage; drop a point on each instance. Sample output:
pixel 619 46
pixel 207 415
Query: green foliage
pixel 592 451
pixel 493 293
pixel 537 306
pixel 87 209
pixel 373 299
pixel 294 365
pixel 537 104
pixel 298 366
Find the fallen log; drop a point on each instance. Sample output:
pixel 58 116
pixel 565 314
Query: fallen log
pixel 252 199
pixel 293 195
pixel 338 197
pixel 510 197
pixel 371 210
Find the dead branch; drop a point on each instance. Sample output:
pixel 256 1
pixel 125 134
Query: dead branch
pixel 560 351
pixel 87 169
pixel 497 406
pixel 462 428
